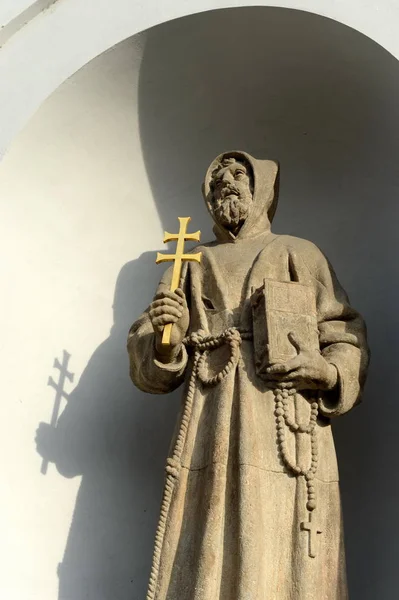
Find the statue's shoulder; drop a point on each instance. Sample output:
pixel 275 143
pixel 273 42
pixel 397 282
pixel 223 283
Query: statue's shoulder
pixel 206 246
pixel 301 246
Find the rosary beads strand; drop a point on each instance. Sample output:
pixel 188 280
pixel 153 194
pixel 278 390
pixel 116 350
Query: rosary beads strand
pixel 283 422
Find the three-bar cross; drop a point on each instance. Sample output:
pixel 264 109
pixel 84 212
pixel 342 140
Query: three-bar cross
pixel 60 393
pixel 178 259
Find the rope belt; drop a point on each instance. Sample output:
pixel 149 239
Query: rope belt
pixel 203 344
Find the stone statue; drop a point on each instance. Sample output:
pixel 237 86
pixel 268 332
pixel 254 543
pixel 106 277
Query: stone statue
pixel 268 351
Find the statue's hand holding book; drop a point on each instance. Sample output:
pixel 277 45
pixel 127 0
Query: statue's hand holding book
pixel 307 370
pixel 286 337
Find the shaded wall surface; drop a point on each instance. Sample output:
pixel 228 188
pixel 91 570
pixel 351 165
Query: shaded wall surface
pixel 108 162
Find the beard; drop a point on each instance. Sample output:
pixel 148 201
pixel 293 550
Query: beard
pixel 232 210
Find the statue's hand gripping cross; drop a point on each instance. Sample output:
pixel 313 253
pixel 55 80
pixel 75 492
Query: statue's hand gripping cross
pixel 178 259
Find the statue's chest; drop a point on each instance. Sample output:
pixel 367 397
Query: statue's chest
pixel 226 273
pixel 229 269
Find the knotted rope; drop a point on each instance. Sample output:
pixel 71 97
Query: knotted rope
pixel 202 344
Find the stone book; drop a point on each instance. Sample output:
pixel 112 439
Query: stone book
pixel 278 309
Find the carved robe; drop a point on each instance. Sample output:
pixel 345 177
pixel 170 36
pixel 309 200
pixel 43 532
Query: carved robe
pixel 232 530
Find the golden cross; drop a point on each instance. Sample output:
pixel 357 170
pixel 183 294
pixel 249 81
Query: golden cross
pixel 178 259
pixel 312 530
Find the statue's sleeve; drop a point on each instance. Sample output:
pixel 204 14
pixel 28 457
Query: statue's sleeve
pixel 147 373
pixel 342 335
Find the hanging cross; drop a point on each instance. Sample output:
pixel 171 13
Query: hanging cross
pixel 312 529
pixel 60 393
pixel 178 259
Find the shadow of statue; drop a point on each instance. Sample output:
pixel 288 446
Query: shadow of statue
pixel 116 438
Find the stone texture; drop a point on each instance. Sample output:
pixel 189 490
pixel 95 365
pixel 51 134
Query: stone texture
pixel 268 350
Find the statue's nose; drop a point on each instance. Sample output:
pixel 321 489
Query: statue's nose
pixel 227 177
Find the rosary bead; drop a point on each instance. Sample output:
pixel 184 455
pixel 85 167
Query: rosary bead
pixel 283 420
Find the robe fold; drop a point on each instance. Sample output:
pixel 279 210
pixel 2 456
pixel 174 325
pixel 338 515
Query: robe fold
pixel 233 530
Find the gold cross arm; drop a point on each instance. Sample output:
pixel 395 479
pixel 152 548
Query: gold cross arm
pixel 189 237
pixel 178 258
pixel 171 257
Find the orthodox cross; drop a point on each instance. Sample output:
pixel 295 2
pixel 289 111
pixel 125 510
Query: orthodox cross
pixel 59 394
pixel 178 259
pixel 311 527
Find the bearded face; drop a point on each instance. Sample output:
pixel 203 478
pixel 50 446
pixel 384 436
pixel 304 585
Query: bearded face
pixel 232 194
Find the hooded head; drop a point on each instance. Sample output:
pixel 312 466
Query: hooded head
pixel 241 194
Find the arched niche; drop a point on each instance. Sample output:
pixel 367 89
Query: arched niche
pixel 109 161
pixel 67 35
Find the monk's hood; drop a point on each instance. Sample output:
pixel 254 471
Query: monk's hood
pixel 265 197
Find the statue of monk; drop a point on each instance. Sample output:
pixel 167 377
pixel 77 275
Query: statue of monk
pixel 251 507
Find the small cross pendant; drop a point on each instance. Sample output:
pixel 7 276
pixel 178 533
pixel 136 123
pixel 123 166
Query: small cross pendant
pixel 312 529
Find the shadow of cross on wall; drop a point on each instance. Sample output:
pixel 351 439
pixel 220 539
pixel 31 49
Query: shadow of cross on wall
pixel 115 438
pixel 60 393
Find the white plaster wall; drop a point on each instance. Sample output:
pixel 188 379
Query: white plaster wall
pixel 10 9
pixel 75 197
pixel 112 158
pixel 41 55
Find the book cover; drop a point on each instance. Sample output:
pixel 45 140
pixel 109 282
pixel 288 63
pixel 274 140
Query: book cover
pixel 279 308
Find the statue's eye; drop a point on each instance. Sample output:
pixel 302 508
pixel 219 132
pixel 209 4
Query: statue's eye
pixel 239 174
